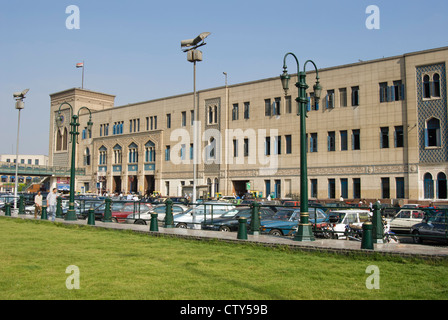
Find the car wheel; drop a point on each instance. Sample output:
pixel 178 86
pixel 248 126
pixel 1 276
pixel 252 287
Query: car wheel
pixel 181 225
pixel 141 222
pixel 224 229
pixel 115 220
pixel 275 232
pixel 416 238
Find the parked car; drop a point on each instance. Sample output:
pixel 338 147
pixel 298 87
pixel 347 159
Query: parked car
pixel 405 219
pixel 128 208
pixel 352 217
pixel 230 220
pixel 206 211
pixel 285 222
pixel 145 218
pixel 100 209
pixel 434 226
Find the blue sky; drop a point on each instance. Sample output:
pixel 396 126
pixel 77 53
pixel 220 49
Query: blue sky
pixel 132 48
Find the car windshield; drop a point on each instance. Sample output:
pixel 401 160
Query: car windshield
pixel 283 215
pixel 232 213
pixel 441 217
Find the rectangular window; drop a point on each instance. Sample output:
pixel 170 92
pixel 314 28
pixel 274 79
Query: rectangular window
pixel 313 188
pixel 155 122
pixel 278 145
pixel 277 106
pixel 191 151
pixel 191 117
pixel 399 137
pixel 168 120
pixel 384 138
pixel 288 105
pixel 399 187
pixel 235 112
pixel 356 188
pixel 398 90
pixel 331 188
pixel 36 162
pixel 313 103
pixel 355 96
pixel 184 119
pixel 267 185
pixel 267 146
pixel 246 110
pixel 331 140
pixel 313 142
pixel 167 153
pixel 246 147
pixel 385 188
pixel 235 148
pixel 267 107
pixel 183 151
pixel 147 123
pixel 330 99
pixel 356 140
pixel 343 97
pixel 344 140
pixel 344 188
pixel 288 144
pixel 384 92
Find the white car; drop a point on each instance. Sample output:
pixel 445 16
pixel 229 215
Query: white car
pixel 194 217
pixel 405 219
pixel 145 218
pixel 355 217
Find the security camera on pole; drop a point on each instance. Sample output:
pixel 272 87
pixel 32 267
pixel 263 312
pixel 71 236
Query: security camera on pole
pixel 18 96
pixel 194 55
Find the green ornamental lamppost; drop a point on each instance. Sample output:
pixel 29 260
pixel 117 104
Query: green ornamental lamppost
pixel 304 232
pixel 74 124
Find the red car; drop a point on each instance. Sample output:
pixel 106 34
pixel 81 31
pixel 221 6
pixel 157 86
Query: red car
pixel 128 208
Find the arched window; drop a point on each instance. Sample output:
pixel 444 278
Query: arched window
pixel 210 115
pixel 117 154
pixel 65 140
pixel 58 141
pixel 133 153
pixel 432 133
pixel 102 156
pixel 150 152
pixel 441 186
pixel 216 186
pixel 436 85
pixel 426 87
pixel 428 186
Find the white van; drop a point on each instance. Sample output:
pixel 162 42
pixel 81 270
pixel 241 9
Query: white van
pixel 341 218
pixel 194 217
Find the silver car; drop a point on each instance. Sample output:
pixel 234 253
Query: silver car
pixel 207 211
pixel 145 218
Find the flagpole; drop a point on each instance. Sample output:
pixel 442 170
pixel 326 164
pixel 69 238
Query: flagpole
pixel 83 74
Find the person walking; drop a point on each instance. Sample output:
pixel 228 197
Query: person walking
pixel 51 204
pixel 37 204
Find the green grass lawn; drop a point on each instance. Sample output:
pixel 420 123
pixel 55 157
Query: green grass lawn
pixel 125 265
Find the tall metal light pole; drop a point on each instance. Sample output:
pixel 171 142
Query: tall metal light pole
pixel 304 232
pixel 71 214
pixel 194 55
pixel 19 96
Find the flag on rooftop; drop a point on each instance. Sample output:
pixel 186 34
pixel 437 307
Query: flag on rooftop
pixel 80 65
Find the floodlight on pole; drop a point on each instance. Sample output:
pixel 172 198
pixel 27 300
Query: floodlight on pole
pixel 18 96
pixel 194 55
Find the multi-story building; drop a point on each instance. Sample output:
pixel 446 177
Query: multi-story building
pixel 379 131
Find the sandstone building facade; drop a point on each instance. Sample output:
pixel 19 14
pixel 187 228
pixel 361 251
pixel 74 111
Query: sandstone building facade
pixel 379 131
